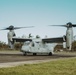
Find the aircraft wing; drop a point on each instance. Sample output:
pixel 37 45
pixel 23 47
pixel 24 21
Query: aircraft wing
pixel 21 39
pixel 54 40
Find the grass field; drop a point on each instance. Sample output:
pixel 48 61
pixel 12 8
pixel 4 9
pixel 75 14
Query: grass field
pixel 59 67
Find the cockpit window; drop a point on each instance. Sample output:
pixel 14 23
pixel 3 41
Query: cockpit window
pixel 33 44
pixel 37 42
pixel 27 43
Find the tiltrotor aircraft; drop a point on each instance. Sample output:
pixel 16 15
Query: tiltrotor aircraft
pixel 38 45
pixel 11 34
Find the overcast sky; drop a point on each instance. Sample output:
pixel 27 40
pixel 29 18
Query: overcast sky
pixel 38 13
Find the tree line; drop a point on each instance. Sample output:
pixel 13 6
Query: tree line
pixel 17 46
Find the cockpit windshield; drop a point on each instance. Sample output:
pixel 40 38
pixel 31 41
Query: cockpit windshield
pixel 27 43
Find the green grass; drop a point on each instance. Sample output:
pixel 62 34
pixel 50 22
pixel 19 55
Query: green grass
pixel 59 67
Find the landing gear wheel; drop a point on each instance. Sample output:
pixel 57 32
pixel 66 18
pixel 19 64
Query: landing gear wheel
pixel 24 53
pixel 50 54
pixel 34 54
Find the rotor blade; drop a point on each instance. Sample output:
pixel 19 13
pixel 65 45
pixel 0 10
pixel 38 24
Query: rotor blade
pixel 59 25
pixel 16 28
pixel 74 25
pixel 23 27
pixel 11 27
pixel 5 29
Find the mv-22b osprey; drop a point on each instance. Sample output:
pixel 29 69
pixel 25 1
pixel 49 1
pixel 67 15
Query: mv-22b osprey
pixel 38 45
